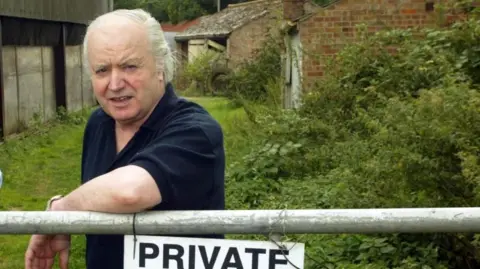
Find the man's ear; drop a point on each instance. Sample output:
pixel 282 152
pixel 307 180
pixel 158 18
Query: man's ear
pixel 160 76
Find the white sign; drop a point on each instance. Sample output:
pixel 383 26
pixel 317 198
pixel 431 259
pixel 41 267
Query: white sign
pixel 162 252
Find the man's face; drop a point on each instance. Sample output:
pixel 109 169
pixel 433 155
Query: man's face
pixel 124 77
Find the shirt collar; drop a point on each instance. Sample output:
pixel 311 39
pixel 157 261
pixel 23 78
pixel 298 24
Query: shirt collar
pixel 166 104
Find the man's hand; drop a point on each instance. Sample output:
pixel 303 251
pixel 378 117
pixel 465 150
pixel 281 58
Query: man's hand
pixel 42 250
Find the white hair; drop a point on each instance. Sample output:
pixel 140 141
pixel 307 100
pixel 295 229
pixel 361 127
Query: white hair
pixel 161 51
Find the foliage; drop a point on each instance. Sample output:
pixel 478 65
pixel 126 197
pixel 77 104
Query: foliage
pixel 175 11
pixel 197 76
pixel 250 80
pixel 395 123
pixel 181 10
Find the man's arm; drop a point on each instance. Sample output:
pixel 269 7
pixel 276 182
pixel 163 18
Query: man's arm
pixel 178 166
pixel 114 192
pixel 127 189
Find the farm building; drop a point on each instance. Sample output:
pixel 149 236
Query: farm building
pixel 316 32
pixel 171 30
pixel 40 59
pixel 236 31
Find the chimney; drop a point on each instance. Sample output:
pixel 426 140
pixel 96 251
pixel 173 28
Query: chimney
pixel 293 9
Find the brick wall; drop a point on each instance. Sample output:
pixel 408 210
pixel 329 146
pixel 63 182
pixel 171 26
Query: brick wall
pixel 324 33
pixel 244 41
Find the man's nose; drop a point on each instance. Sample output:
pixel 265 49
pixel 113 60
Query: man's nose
pixel 117 81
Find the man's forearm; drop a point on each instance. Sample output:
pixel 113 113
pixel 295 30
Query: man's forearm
pixel 125 190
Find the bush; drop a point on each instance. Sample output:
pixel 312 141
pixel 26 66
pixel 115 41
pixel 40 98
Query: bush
pixel 250 79
pixel 197 76
pixel 380 130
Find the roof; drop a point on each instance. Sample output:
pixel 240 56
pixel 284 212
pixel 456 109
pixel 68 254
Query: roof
pixel 179 27
pixel 222 23
pixel 81 12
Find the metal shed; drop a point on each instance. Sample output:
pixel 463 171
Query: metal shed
pixel 55 10
pixel 33 25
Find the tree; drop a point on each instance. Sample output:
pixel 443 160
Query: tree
pixel 180 10
pixel 175 11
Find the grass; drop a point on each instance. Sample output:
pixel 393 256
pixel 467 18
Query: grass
pixel 45 161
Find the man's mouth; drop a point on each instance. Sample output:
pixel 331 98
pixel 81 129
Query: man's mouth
pixel 121 99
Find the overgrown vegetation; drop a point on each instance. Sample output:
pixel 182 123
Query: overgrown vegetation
pixel 251 81
pixel 381 129
pixel 176 11
pixel 195 78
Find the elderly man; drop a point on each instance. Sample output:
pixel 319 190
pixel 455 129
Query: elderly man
pixel 144 149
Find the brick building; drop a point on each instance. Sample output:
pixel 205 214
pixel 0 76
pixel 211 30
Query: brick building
pixel 316 32
pixel 237 31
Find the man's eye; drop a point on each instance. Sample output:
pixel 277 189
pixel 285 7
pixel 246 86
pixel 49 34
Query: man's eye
pixel 131 67
pixel 101 70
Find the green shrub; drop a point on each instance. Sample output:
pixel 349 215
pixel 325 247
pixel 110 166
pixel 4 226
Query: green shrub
pixel 250 79
pixel 197 75
pixel 380 130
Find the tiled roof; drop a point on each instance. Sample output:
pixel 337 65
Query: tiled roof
pixel 222 23
pixel 179 27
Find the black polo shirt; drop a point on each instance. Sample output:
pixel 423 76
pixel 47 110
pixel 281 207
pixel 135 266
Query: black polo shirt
pixel 180 145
